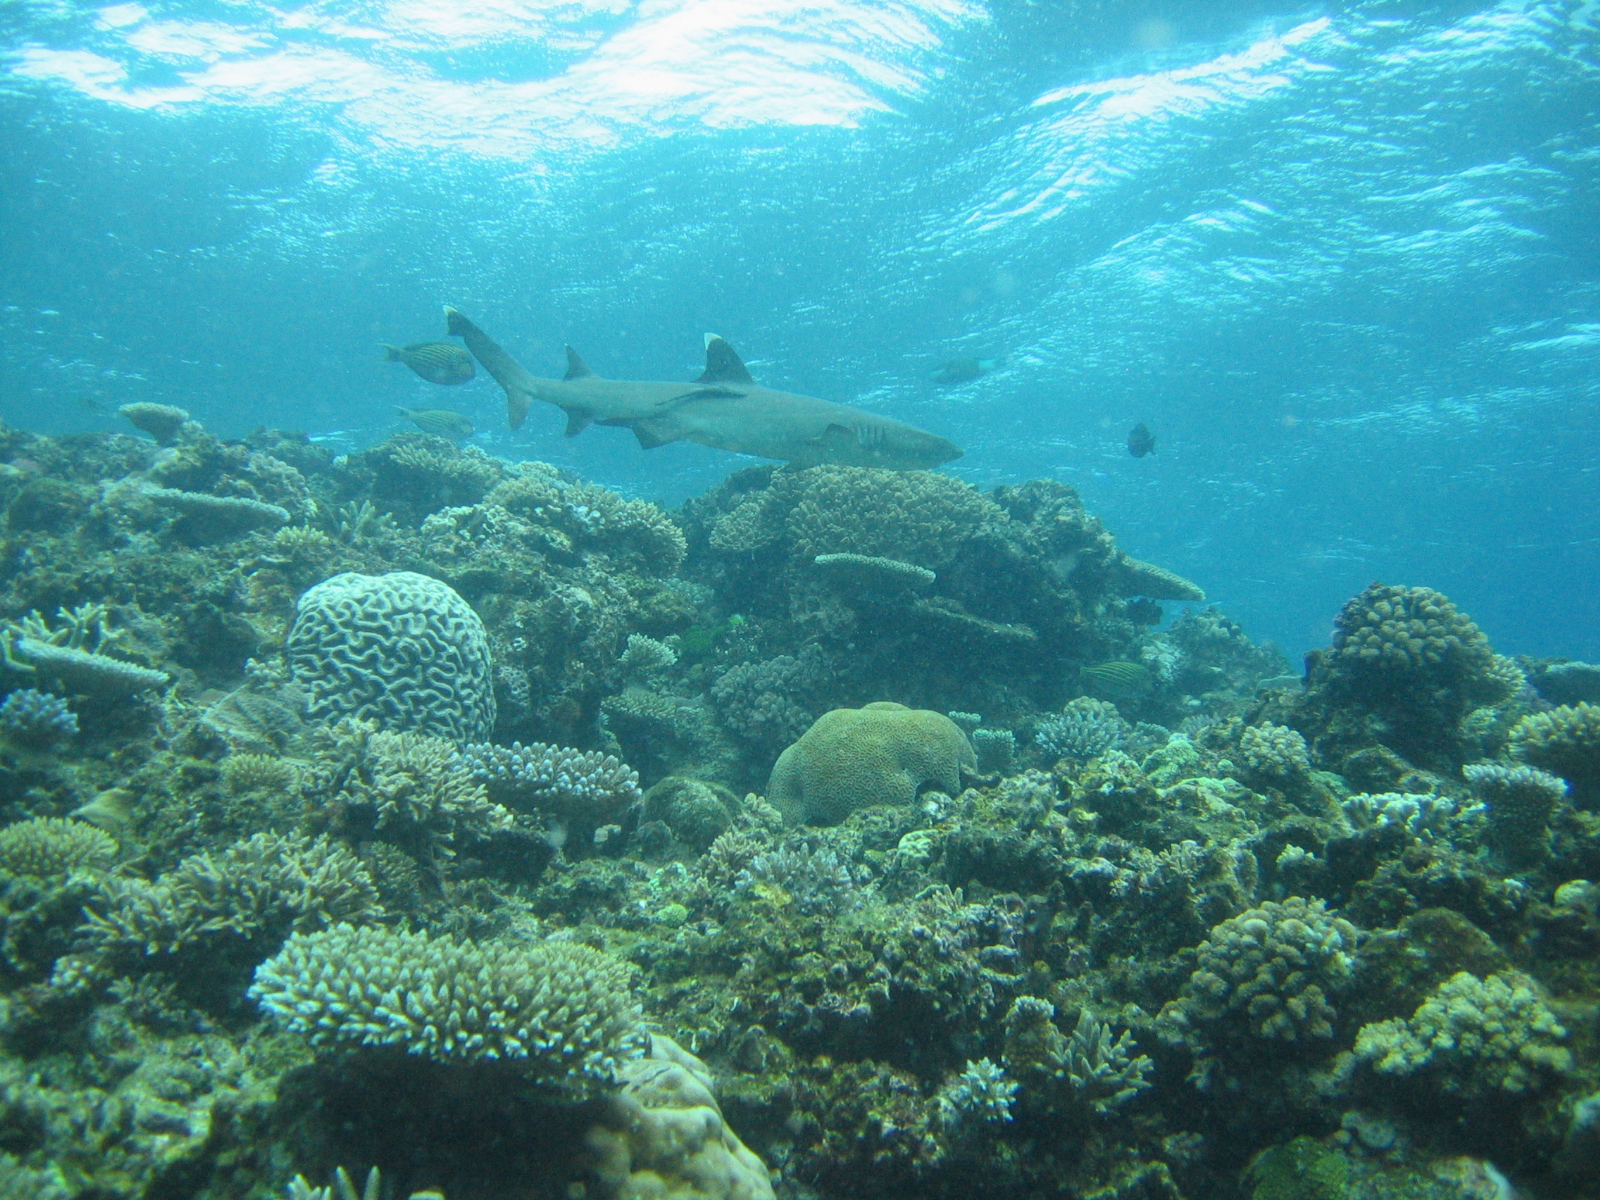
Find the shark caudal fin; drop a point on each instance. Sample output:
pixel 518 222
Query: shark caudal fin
pixel 518 385
pixel 723 364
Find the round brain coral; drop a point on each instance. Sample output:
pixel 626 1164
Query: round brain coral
pixel 855 757
pixel 400 649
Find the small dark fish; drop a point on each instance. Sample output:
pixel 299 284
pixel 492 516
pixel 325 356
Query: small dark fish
pixel 1140 440
pixel 1130 678
pixel 90 404
pixel 964 370
pixel 441 422
pixel 437 362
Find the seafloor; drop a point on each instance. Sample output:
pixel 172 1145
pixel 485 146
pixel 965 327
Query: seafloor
pixel 418 810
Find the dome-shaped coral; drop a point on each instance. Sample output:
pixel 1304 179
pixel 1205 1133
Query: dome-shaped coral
pixel 1565 740
pixel 855 757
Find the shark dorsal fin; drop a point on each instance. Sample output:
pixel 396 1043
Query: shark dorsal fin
pixel 576 367
pixel 723 364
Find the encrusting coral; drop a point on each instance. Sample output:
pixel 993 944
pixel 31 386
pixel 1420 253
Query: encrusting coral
pixel 879 754
pixel 399 648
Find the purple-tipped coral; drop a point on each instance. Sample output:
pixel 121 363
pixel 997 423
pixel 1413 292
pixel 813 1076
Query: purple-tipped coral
pixel 35 720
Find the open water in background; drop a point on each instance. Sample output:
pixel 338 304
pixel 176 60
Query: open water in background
pixel 1344 259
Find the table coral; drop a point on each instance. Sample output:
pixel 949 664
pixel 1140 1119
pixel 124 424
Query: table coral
pixel 855 757
pixel 564 1011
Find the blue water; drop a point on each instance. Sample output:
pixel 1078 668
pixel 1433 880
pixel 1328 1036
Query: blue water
pixel 1344 259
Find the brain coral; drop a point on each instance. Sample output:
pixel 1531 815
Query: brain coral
pixel 401 649
pixel 855 757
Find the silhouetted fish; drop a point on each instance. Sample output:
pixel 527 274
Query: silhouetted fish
pixel 437 362
pixel 1140 440
pixel 964 370
pixel 441 422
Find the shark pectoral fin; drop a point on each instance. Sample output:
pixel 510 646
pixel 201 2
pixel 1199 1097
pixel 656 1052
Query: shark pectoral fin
pixel 723 364
pixel 578 420
pixel 709 393
pixel 576 367
pixel 656 432
pixel 517 405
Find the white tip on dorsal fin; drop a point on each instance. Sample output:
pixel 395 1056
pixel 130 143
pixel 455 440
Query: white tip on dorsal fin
pixel 712 337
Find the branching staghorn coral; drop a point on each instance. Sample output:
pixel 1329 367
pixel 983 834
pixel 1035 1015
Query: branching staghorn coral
pixel 1424 817
pixel 1566 741
pixel 562 1011
pixel 410 782
pixel 1085 729
pixel 268 884
pixel 555 779
pixel 1092 1067
pixel 36 721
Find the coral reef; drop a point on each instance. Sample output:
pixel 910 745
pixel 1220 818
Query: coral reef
pixel 880 754
pixel 1146 915
pixel 398 648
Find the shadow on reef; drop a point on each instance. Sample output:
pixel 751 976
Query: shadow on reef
pixel 846 833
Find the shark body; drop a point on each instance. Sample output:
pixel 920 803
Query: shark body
pixel 724 408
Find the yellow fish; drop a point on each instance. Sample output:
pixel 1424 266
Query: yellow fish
pixel 438 362
pixel 441 422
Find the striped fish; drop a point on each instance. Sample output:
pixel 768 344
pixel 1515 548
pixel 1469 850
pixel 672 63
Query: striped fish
pixel 1129 678
pixel 437 362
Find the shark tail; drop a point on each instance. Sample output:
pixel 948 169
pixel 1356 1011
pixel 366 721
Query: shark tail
pixel 456 324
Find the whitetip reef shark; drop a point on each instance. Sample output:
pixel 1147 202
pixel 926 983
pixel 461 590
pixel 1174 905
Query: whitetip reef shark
pixel 724 408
